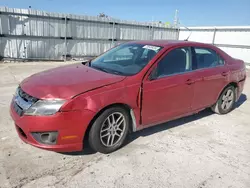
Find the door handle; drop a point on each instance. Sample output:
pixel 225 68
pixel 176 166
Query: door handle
pixel 190 81
pixel 224 73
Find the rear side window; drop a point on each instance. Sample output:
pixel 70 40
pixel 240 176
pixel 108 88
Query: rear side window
pixel 175 62
pixel 206 58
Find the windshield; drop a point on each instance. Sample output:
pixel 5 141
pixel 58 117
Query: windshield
pixel 126 59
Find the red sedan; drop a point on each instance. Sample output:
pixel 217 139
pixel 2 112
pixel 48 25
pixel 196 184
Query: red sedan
pixel 130 87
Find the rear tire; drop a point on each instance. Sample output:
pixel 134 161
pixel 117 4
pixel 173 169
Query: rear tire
pixel 226 101
pixel 109 131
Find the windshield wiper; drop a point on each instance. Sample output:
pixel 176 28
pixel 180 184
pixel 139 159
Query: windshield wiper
pixel 117 72
pixel 110 71
pixel 101 69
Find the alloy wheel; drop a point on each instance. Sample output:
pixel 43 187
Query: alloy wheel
pixel 227 99
pixel 112 129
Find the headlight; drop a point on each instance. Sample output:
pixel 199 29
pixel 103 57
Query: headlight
pixel 45 107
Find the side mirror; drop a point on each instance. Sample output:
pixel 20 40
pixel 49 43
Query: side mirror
pixel 84 62
pixel 153 74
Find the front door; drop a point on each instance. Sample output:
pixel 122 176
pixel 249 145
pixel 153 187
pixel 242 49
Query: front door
pixel 169 93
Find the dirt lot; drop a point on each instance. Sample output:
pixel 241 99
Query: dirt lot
pixel 205 150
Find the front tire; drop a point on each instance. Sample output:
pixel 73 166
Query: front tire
pixel 109 131
pixel 226 101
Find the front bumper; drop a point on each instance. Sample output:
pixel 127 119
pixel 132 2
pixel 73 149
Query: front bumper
pixel 71 127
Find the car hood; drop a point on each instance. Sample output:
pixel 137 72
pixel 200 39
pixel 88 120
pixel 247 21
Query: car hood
pixel 67 81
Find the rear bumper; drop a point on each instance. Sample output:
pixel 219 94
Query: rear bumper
pixel 71 127
pixel 240 88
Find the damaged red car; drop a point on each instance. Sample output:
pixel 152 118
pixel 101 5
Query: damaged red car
pixel 130 87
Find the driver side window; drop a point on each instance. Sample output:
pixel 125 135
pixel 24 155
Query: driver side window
pixel 175 62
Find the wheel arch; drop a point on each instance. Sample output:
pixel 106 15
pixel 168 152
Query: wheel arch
pixel 132 125
pixel 234 84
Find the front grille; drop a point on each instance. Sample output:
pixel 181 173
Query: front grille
pixel 25 96
pixel 22 101
pixel 18 109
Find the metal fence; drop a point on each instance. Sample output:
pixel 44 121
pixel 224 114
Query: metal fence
pixel 235 40
pixel 33 34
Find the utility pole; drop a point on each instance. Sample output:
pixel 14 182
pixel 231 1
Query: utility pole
pixel 176 19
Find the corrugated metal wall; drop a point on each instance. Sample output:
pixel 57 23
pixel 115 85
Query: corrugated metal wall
pixel 233 40
pixel 33 34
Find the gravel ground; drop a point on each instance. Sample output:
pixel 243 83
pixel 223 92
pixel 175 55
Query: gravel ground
pixel 204 150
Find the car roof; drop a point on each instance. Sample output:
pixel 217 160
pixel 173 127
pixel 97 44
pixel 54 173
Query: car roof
pixel 169 43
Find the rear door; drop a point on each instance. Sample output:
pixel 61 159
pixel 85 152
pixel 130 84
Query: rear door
pixel 210 78
pixel 170 93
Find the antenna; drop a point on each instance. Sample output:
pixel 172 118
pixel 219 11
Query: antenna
pixel 189 33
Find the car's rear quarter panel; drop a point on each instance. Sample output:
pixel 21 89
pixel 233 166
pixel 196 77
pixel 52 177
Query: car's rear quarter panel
pixel 238 74
pixel 238 70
